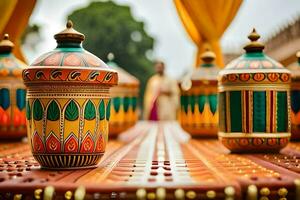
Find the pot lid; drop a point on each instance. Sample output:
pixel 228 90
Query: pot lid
pixel 70 62
pixel 10 66
pixel 69 51
pixel 254 60
pixel 124 76
pixel 208 70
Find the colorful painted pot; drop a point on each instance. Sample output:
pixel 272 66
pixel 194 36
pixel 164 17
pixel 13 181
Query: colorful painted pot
pixel 68 104
pixel 12 93
pixel 124 112
pixel 254 102
pixel 295 98
pixel 198 113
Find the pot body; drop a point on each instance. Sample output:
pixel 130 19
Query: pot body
pixel 124 113
pixel 67 123
pixel 295 101
pixel 12 98
pixel 254 109
pixel 198 111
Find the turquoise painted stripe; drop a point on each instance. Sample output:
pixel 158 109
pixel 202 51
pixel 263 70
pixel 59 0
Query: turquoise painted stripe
pixel 282 112
pixel 259 111
pixel 235 111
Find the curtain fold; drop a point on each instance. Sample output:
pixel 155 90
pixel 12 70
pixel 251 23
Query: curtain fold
pixel 16 14
pixel 205 22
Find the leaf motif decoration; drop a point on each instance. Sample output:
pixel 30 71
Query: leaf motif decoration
pixel 201 102
pixel 108 110
pixel 126 103
pixel 53 111
pixel 117 103
pixel 4 98
pixel 102 110
pixel 38 110
pixel 28 111
pixel 184 103
pixel 71 112
pixel 21 98
pixel 89 111
pixel 213 102
pixel 134 103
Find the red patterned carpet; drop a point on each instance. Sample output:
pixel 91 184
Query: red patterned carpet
pixel 156 161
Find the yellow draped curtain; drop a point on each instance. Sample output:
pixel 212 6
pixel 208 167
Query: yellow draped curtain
pixel 14 19
pixel 205 21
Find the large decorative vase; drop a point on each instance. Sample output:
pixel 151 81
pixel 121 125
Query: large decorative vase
pixel 68 104
pixel 12 93
pixel 295 99
pixel 254 102
pixel 198 112
pixel 124 113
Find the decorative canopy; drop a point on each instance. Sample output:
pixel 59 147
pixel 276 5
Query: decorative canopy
pixel 205 21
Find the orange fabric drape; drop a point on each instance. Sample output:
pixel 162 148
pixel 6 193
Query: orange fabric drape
pixel 16 14
pixel 205 21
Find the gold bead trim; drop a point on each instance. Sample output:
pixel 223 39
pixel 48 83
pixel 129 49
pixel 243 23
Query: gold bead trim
pixel 252 192
pixel 141 194
pixel 37 193
pixel 17 196
pixel 211 194
pixel 68 195
pixel 49 193
pixel 229 193
pixel 79 193
pixel 179 194
pixel 191 194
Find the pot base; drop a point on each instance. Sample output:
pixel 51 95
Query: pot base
pixel 52 161
pixel 254 142
pixel 201 131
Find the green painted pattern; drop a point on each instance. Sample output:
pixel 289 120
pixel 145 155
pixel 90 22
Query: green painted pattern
pixel 117 103
pixel 134 103
pixel 235 111
pixel 102 110
pixel 28 111
pixel 281 112
pixel 53 111
pixel 71 112
pixel 89 111
pixel 201 102
pixel 192 102
pixel 213 102
pixel 37 110
pixel 21 98
pixel 108 110
pixel 222 111
pixel 259 111
pixel 126 102
pixel 4 98
pixel 184 103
